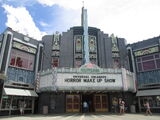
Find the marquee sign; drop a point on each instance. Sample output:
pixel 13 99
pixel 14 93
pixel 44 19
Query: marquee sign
pixel 88 77
pixel 146 51
pixel 81 82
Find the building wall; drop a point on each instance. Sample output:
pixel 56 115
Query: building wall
pixel 47 50
pixel 123 53
pixel 68 56
pixel 147 73
pixel 20 56
pixel 67 50
pixel 54 101
pixel 18 75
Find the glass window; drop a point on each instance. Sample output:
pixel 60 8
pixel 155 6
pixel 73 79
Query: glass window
pixel 93 61
pixel 6 101
pixel 78 63
pixel 55 62
pixel 156 55
pixel 22 60
pixel 149 65
pixel 116 63
pixel 28 103
pixel 150 57
pixel 138 59
pixel 139 67
pixel 158 63
pixel 154 101
pixel 148 62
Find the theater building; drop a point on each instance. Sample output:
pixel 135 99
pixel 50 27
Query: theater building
pixel 19 64
pixel 146 58
pixel 84 64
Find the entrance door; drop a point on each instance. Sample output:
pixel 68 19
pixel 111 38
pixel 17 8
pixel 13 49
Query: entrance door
pixel 101 103
pixel 72 103
pixel 89 99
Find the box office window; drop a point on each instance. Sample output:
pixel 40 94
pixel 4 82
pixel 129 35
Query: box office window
pixel 22 60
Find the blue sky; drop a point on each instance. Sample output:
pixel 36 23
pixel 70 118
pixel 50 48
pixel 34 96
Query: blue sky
pixel 133 20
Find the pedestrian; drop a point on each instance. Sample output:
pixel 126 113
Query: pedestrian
pixel 22 106
pixel 148 110
pixel 85 106
pixel 121 106
pixel 115 104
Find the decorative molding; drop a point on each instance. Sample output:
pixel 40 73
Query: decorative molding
pixel 24 47
pixel 2 76
pixel 114 44
pixel 92 43
pixel 27 39
pixel 56 41
pixel 28 44
pixel 78 43
pixel 146 51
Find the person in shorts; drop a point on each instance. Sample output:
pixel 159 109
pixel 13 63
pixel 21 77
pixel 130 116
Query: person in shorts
pixel 121 106
pixel 148 110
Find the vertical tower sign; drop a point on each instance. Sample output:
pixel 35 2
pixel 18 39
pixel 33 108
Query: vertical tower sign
pixel 84 24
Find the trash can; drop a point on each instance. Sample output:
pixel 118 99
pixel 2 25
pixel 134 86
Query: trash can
pixel 45 110
pixel 133 109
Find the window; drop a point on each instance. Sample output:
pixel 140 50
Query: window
pixel 149 65
pixel 138 60
pixel 139 66
pixel 93 61
pixel 158 63
pixel 157 56
pixel 116 63
pixel 147 58
pixel 6 101
pixel 78 63
pixel 148 62
pixel 55 62
pixel 22 60
pixel 154 101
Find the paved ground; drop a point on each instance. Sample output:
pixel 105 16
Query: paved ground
pixel 84 117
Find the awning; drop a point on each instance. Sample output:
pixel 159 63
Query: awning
pixel 148 92
pixel 19 92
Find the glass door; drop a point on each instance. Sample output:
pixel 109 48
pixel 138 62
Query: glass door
pixel 72 103
pixel 100 103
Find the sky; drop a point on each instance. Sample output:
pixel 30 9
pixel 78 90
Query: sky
pixel 134 20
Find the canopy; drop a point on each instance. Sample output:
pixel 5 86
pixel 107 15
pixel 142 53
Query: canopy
pixel 148 92
pixel 19 92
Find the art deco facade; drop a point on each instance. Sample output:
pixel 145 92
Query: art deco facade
pixel 60 72
pixel 84 64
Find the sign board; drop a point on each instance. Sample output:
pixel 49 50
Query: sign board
pixel 109 80
pixel 89 81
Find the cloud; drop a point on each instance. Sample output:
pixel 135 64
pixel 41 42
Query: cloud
pixel 20 20
pixel 43 24
pixel 71 4
pixel 132 19
pixel 18 2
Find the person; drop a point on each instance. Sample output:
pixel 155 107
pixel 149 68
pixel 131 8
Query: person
pixel 148 110
pixel 115 104
pixel 85 106
pixel 22 106
pixel 121 106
